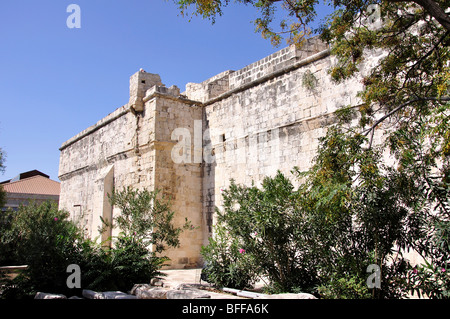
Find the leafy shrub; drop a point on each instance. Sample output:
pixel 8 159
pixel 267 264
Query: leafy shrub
pixel 119 268
pixel 2 197
pixel 432 278
pixel 320 235
pixel 268 225
pixel 146 230
pixel 352 202
pixel 431 281
pixel 45 239
pixel 227 263
pixel 148 217
pixel 348 287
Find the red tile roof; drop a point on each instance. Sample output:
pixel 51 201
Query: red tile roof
pixel 33 185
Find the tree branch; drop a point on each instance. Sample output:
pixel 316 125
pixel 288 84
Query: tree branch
pixel 398 108
pixel 433 9
pixel 428 53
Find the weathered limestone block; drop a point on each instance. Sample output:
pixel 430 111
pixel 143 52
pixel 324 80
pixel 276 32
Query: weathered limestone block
pixel 287 296
pixel 117 295
pixel 90 294
pixel 44 295
pixel 210 88
pixel 145 291
pixel 187 294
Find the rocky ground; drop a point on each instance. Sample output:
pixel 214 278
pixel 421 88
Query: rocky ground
pixel 177 284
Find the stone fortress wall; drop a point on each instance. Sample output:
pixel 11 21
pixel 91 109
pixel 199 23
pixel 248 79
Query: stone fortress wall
pixel 244 124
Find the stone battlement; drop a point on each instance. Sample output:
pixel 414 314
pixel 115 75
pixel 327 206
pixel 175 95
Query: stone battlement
pixel 231 80
pixel 275 62
pixel 144 84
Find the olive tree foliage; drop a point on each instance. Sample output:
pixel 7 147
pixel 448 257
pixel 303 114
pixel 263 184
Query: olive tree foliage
pixel 147 216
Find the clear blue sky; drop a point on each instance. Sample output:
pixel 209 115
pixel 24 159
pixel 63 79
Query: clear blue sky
pixel 56 82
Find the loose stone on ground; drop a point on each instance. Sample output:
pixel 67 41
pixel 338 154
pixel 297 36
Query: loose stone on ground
pixel 177 284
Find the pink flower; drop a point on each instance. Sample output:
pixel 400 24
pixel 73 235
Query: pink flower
pixel 242 251
pixel 443 269
pixel 56 218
